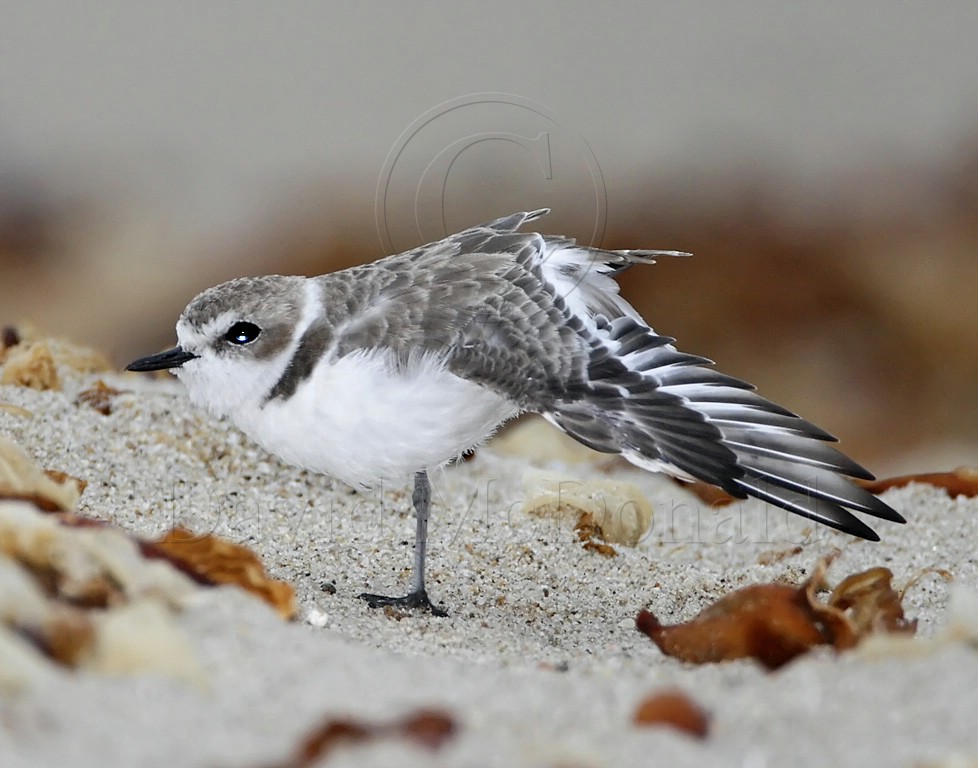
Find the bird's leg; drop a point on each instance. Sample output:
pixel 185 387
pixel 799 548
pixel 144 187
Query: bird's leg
pixel 417 597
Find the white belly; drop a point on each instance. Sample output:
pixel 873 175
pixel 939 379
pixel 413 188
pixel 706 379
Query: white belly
pixel 362 422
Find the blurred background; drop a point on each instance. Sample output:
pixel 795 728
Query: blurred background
pixel 820 160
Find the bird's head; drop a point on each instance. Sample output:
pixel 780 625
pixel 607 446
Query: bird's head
pixel 234 342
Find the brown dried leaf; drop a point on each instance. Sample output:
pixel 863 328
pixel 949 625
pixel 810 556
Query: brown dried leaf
pixel 961 482
pixel 673 709
pixel 870 603
pixel 218 561
pixel 774 623
pixel 31 365
pixel 588 531
pixel 705 492
pixel 427 728
pixel 99 397
pixel 768 622
pixel 837 629
pixel 21 479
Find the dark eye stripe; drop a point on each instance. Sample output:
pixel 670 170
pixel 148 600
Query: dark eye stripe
pixel 242 333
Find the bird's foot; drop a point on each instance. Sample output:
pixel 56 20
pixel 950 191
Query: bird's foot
pixel 416 600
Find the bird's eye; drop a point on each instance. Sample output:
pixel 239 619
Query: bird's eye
pixel 242 333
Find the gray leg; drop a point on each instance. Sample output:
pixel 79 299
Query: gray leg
pixel 421 498
pixel 417 597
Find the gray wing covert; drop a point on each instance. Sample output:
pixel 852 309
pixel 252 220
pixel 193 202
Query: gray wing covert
pixel 476 299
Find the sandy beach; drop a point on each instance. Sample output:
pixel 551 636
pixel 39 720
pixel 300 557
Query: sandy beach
pixel 538 663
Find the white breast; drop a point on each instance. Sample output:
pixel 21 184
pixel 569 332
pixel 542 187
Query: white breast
pixel 362 421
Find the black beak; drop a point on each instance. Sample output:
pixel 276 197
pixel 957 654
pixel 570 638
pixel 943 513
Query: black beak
pixel 172 358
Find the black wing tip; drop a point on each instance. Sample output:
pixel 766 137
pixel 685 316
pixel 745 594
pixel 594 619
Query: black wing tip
pixel 856 470
pixel 842 520
pixel 856 527
pixel 884 511
pixel 833 512
pixel 862 531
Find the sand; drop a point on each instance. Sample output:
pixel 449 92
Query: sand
pixel 538 662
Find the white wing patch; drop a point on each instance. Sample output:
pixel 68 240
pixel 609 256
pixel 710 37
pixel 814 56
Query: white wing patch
pixel 581 280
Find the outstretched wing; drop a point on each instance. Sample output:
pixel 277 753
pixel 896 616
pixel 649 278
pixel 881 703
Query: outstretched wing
pixel 624 389
pixel 667 410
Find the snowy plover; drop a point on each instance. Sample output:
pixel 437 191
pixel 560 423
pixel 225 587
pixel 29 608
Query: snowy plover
pixel 387 370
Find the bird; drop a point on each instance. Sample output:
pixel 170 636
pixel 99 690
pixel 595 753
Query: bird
pixel 386 371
